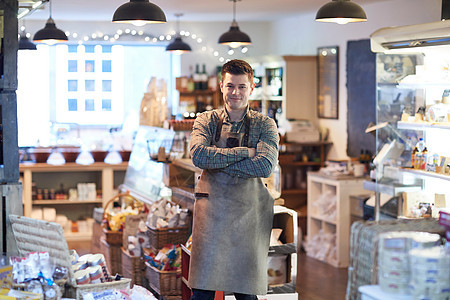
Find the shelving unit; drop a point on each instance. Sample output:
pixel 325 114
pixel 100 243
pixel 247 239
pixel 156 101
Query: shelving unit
pixel 198 100
pixel 107 177
pixel 296 159
pixel 342 189
pixel 294 88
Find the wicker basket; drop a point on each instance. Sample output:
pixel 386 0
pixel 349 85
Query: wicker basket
pixel 116 237
pixel 159 237
pixel 32 235
pixel 113 256
pixel 132 267
pixel 165 283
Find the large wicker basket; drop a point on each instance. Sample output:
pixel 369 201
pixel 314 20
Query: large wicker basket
pixel 32 235
pixel 116 237
pixel 159 237
pixel 113 256
pixel 133 267
pixel 165 283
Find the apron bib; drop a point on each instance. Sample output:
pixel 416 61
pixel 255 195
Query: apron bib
pixel 231 231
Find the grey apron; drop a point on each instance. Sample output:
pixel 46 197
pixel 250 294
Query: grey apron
pixel 231 232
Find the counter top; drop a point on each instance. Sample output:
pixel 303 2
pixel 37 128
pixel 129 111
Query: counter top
pixel 44 167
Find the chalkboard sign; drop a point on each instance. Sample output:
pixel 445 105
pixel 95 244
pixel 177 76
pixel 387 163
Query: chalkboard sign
pixel 361 97
pixel 328 71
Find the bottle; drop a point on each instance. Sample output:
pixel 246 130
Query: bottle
pixel 413 157
pixel 197 78
pixel 204 78
pixel 419 158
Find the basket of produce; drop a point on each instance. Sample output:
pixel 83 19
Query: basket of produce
pixel 167 223
pixel 38 236
pixel 114 219
pixel 163 270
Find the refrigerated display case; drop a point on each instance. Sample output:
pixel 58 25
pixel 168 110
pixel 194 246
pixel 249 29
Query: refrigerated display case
pixel 413 86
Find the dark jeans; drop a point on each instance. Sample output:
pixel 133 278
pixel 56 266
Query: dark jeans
pixel 209 295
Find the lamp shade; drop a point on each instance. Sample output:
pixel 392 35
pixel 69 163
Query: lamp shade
pixel 25 43
pixel 139 12
pixel 178 46
pixel 234 37
pixel 341 12
pixel 50 34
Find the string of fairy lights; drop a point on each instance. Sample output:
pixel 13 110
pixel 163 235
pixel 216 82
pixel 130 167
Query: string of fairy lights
pixel 140 35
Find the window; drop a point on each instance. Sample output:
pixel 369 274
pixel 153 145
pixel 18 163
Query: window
pixel 108 95
pixel 89 105
pixel 96 89
pixel 106 66
pixel 72 105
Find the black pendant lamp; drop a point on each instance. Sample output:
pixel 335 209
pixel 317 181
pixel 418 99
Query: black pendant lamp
pixel 234 37
pixel 50 34
pixel 139 13
pixel 341 12
pixel 25 43
pixel 178 46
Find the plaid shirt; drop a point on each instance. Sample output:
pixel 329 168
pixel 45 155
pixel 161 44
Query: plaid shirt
pixel 235 161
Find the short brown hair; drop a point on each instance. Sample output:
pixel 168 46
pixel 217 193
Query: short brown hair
pixel 237 67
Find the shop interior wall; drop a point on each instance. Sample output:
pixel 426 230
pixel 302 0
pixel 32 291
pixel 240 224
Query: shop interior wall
pixel 301 35
pixel 298 35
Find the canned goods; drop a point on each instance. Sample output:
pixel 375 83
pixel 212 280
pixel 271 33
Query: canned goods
pixel 96 260
pixel 96 274
pixel 82 277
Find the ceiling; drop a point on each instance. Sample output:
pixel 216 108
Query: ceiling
pixel 193 10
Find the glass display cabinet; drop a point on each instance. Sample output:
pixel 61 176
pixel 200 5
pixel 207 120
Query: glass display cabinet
pixel 413 114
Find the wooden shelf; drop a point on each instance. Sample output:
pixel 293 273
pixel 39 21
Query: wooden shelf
pixel 341 190
pixel 78 236
pixel 63 202
pixel 71 167
pixel 294 191
pixel 323 219
pixel 300 163
pixel 102 172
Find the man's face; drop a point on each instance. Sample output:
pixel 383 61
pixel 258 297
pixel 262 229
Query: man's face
pixel 236 90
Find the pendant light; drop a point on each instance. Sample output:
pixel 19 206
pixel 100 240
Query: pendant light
pixel 234 37
pixel 178 46
pixel 24 41
pixel 50 34
pixel 341 12
pixel 139 13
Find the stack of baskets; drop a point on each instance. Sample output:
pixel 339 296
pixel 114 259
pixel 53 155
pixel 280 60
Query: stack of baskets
pixel 32 235
pixel 132 266
pixel 166 283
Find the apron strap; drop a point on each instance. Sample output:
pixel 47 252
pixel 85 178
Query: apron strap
pixel 219 129
pixel 247 130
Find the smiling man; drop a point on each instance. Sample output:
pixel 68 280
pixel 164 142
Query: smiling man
pixel 233 210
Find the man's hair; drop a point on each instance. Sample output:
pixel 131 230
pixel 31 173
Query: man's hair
pixel 237 67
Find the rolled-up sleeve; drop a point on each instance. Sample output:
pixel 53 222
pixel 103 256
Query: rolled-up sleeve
pixel 206 156
pixel 266 158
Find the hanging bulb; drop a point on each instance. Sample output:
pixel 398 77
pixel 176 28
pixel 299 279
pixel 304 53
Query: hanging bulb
pixel 341 12
pixel 178 46
pixel 50 34
pixel 234 37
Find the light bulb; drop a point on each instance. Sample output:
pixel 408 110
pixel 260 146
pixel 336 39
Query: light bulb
pixel 138 23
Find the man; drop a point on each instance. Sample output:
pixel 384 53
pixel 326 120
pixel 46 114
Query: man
pixel 233 211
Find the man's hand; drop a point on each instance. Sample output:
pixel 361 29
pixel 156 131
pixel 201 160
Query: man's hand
pixel 251 152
